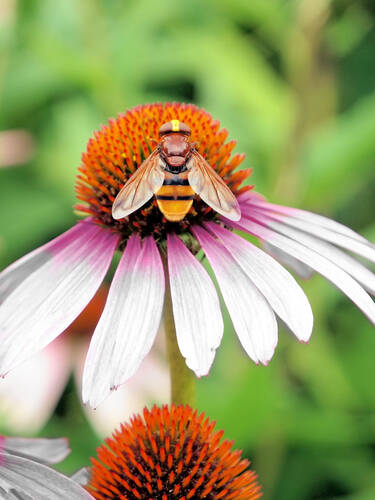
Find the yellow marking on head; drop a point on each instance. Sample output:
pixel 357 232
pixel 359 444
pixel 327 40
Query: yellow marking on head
pixel 175 125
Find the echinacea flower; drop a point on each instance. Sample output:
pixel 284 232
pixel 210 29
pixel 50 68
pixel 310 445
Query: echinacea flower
pixel 45 290
pixel 25 471
pixel 170 453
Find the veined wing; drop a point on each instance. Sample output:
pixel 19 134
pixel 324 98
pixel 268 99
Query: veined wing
pixel 141 186
pixel 211 188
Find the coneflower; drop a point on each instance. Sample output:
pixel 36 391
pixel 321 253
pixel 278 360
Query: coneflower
pixel 170 453
pixel 46 290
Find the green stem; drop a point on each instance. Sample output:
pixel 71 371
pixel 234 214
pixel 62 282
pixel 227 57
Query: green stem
pixel 182 378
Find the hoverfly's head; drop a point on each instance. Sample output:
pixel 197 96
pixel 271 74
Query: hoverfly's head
pixel 174 126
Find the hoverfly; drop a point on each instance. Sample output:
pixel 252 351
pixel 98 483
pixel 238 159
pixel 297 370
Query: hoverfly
pixel 175 172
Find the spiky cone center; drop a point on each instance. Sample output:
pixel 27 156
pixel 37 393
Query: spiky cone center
pixel 119 148
pixel 171 453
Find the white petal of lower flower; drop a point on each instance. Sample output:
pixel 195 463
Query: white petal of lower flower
pixel 129 323
pixel 302 270
pixel 252 316
pixel 358 271
pixel 278 286
pixel 325 267
pixel 82 476
pixel 50 298
pixel 43 450
pixel 36 481
pixel 196 307
pixel 313 220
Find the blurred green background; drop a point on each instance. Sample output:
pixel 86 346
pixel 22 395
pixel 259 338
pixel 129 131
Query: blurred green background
pixel 294 83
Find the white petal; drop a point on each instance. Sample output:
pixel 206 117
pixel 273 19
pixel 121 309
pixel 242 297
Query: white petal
pixel 37 481
pixel 360 247
pixel 50 298
pixel 328 269
pixel 46 451
pixel 82 476
pixel 149 385
pixel 14 274
pixel 312 219
pixel 196 307
pixel 129 323
pixel 277 285
pixel 302 270
pixel 341 259
pixel 252 316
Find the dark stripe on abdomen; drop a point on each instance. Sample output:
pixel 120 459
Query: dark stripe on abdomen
pixel 182 198
pixel 175 181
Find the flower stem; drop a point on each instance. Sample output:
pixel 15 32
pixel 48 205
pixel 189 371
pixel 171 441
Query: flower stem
pixel 182 378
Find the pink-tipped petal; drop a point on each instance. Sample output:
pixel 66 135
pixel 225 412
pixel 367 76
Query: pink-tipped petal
pixel 325 267
pixel 252 316
pixel 278 286
pixel 314 221
pixel 43 450
pixel 129 323
pixel 51 297
pixel 196 307
pixel 361 247
pixel 26 479
pixel 357 270
pixel 30 392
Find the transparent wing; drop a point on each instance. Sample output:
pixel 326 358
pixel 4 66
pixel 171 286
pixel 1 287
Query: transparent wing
pixel 141 186
pixel 211 188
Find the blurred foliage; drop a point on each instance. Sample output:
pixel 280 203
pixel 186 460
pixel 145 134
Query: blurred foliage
pixel 294 83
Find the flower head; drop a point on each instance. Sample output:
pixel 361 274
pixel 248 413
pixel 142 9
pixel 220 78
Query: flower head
pixel 118 150
pixel 46 290
pixel 170 453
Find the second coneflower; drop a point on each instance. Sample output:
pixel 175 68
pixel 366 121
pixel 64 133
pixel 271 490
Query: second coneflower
pixel 159 183
pixel 170 453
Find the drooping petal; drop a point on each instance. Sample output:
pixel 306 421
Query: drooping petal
pixel 277 285
pixel 82 476
pixel 252 316
pixel 150 384
pixel 50 298
pixel 129 323
pixel 196 307
pixel 30 392
pixel 340 258
pixel 251 198
pixel 14 274
pixel 322 265
pixel 302 270
pixel 359 246
pixel 43 450
pixel 22 477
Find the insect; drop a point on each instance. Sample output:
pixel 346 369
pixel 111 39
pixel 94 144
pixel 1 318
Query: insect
pixel 175 172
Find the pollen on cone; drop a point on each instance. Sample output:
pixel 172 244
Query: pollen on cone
pixel 171 453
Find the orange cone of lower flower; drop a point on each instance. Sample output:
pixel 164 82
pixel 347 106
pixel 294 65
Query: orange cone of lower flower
pixel 171 453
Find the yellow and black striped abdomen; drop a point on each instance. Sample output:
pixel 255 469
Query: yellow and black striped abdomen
pixel 175 197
